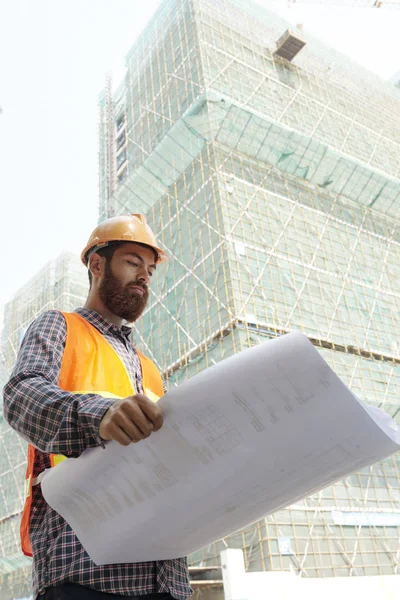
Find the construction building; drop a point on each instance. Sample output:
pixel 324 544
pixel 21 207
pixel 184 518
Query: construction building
pixel 61 284
pixel 268 164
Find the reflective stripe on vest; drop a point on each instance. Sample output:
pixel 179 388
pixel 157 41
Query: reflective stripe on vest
pixel 89 363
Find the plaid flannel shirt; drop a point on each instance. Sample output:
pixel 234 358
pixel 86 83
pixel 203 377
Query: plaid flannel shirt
pixel 56 421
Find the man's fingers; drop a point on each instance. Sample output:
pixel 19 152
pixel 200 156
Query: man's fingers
pixel 137 428
pixel 136 415
pixel 158 421
pixel 152 411
pixel 114 432
pixel 131 419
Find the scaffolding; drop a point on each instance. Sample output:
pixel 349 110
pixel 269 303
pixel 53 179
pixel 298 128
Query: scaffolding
pixel 274 187
pixel 61 284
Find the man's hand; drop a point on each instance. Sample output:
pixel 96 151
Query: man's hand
pixel 130 420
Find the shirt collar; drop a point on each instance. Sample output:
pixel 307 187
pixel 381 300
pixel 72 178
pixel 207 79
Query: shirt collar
pixel 102 324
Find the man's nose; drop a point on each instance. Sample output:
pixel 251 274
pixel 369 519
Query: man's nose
pixel 144 277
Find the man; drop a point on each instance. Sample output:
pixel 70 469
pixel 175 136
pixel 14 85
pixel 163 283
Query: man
pixel 77 383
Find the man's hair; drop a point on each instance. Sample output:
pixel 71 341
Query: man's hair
pixel 108 253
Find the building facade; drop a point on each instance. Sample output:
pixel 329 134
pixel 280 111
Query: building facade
pixel 61 284
pixel 274 186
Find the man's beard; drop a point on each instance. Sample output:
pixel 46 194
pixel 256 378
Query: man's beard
pixel 120 300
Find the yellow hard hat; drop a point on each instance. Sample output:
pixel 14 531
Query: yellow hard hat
pixel 125 228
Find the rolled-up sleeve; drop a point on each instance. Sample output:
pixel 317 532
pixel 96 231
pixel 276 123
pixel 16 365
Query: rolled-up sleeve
pixel 53 420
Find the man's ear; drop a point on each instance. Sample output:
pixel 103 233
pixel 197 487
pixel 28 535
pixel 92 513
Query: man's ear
pixel 96 265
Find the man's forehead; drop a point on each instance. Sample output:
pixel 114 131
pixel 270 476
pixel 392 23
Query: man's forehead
pixel 138 249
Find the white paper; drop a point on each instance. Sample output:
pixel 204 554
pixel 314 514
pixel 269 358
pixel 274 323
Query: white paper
pixel 252 434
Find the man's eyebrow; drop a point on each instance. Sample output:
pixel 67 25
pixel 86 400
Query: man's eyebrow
pixel 140 258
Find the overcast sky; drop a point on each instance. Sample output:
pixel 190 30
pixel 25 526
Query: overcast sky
pixel 54 55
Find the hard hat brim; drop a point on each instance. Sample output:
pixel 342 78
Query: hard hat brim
pixel 162 257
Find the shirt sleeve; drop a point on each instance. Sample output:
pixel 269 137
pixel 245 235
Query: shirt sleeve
pixel 53 420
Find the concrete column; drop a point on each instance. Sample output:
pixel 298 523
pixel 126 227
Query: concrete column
pixel 233 574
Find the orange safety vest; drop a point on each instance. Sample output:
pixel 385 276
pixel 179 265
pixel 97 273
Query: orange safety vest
pixel 89 365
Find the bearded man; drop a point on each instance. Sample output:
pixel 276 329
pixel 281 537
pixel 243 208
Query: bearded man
pixel 77 383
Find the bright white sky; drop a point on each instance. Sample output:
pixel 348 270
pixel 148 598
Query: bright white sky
pixel 54 57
